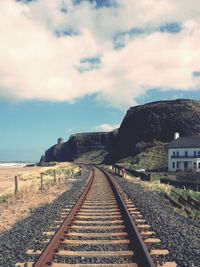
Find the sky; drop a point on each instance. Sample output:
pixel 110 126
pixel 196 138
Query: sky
pixel 69 66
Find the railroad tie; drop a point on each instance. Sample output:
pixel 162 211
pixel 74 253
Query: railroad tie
pixel 99 218
pixel 30 264
pixel 93 254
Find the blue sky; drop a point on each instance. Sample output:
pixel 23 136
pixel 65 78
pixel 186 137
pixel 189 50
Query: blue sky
pixel 70 66
pixel 29 128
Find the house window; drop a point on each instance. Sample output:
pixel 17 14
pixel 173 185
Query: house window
pixel 177 154
pixel 174 154
pixel 177 165
pixel 173 164
pixel 185 165
pixel 195 154
pixel 186 154
pixel 198 154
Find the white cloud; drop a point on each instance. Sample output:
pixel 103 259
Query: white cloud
pixel 106 127
pixel 35 64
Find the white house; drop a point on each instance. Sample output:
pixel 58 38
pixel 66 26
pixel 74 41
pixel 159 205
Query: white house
pixel 184 153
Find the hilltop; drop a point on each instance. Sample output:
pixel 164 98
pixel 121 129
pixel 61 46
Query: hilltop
pixel 144 129
pixel 92 147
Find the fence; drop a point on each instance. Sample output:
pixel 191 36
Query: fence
pixel 148 177
pixel 119 170
pixel 182 185
pixel 44 179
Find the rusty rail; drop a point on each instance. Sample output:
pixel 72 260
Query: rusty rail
pixel 138 250
pixel 52 247
pixel 137 243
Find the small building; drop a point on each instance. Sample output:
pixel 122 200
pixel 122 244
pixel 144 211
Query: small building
pixel 184 153
pixel 60 141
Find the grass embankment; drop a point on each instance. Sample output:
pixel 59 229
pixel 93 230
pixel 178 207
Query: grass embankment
pixel 30 181
pixel 153 158
pixel 93 157
pixel 186 200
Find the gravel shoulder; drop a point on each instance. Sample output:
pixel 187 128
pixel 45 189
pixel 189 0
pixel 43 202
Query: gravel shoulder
pixel 178 234
pixel 25 233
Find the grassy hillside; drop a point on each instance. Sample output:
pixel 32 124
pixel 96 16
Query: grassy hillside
pixel 92 157
pixel 154 158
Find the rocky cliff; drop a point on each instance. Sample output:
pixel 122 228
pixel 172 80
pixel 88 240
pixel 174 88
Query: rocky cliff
pixel 157 121
pixel 80 144
pixel 140 129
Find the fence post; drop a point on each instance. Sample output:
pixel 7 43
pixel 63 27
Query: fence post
pixel 41 182
pixel 54 176
pixel 16 185
pixel 59 179
pixel 80 171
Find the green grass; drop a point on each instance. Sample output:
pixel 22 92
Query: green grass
pixel 154 158
pixel 173 194
pixel 186 193
pixel 93 157
pixel 5 199
pixel 188 209
pixel 156 176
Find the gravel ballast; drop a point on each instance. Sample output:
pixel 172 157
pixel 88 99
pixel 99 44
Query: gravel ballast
pixel 178 234
pixel 25 234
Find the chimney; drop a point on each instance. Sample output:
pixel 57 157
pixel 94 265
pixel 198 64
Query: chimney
pixel 176 136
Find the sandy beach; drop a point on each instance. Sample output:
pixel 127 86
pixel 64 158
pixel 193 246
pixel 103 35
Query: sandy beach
pixel 9 172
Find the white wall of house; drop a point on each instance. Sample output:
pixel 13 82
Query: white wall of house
pixel 183 158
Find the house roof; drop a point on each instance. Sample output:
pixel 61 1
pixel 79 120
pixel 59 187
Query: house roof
pixel 185 142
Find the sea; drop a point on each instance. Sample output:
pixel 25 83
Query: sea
pixel 14 164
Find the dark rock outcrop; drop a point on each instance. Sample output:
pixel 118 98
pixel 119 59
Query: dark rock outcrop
pixel 157 121
pixel 79 144
pixel 141 127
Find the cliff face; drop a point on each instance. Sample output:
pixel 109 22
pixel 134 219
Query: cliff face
pixel 79 144
pixel 157 121
pixel 141 127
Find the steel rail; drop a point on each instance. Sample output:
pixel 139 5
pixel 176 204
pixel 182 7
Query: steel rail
pixel 141 253
pixel 137 244
pixel 45 259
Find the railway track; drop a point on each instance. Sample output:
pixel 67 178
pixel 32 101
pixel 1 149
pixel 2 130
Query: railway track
pixel 103 228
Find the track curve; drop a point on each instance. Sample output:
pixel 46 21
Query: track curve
pixel 103 228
